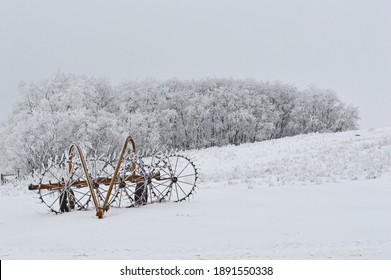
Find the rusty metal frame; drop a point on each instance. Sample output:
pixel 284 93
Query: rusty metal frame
pixel 74 150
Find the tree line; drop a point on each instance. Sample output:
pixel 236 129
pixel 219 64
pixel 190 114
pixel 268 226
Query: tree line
pixel 170 114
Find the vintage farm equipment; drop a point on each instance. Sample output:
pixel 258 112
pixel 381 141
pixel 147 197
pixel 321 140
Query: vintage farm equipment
pixel 74 183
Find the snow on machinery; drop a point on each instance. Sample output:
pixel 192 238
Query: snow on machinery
pixel 72 183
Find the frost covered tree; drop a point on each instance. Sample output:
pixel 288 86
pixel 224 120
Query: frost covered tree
pixel 53 113
pixel 318 110
pixel 170 114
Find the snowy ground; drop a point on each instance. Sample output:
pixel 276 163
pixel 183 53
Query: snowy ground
pixel 321 196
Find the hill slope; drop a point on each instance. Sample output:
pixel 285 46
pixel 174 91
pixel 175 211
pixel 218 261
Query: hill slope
pixel 321 196
pixel 314 158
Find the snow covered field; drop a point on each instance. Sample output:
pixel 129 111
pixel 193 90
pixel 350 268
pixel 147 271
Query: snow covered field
pixel 320 196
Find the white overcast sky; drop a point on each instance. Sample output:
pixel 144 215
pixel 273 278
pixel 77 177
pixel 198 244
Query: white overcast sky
pixel 338 44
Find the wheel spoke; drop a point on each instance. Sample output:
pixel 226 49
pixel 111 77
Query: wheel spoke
pixel 176 164
pixel 183 176
pixel 182 189
pixel 191 184
pixel 176 190
pixel 184 168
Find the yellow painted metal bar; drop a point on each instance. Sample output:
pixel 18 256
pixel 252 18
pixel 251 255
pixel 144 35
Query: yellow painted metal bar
pixel 128 139
pixel 87 174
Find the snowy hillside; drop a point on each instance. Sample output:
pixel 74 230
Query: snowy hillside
pixel 314 158
pixel 320 196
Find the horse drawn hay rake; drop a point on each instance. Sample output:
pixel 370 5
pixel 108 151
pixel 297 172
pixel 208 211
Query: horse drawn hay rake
pixel 74 183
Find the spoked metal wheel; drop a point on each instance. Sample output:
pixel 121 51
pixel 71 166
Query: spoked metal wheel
pixel 177 179
pixel 62 186
pixel 130 187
